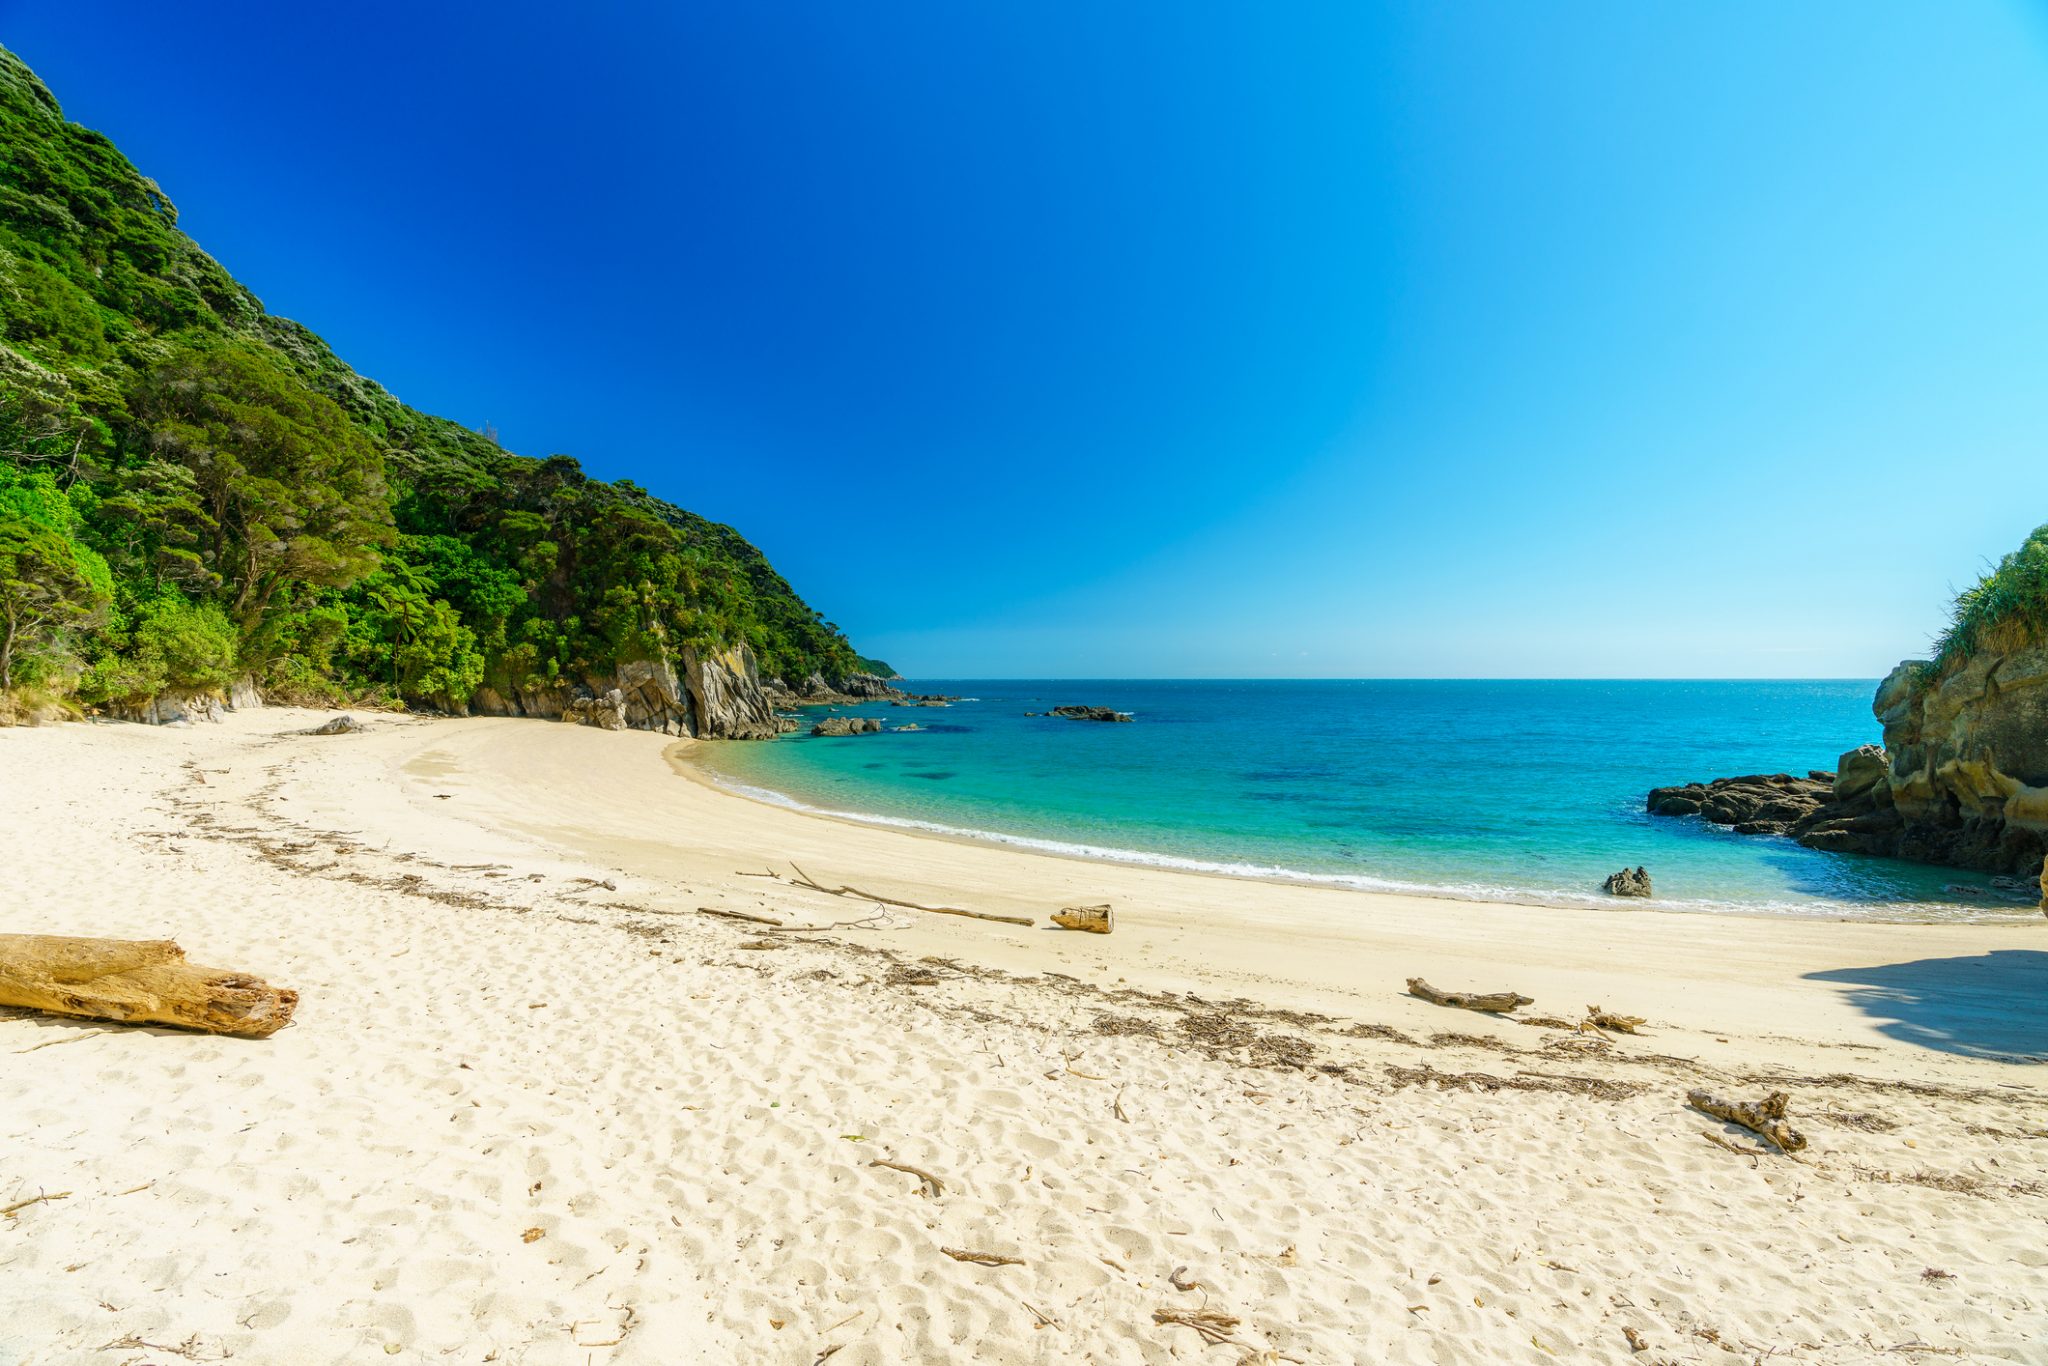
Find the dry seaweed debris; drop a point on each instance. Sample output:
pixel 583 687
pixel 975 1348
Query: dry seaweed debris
pixel 1594 1088
pixel 1221 1035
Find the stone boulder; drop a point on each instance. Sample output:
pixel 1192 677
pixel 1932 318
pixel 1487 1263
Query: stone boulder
pixel 1628 882
pixel 1090 714
pixel 606 710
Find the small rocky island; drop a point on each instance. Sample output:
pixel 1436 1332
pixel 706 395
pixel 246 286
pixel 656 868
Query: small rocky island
pixel 1090 714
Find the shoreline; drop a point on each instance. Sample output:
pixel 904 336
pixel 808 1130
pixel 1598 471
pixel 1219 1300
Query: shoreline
pixel 685 757
pixel 535 1106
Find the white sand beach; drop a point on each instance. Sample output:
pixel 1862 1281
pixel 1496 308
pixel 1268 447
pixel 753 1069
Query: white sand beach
pixel 537 1108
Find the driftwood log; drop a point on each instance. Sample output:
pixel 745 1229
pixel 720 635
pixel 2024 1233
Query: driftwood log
pixel 133 981
pixel 1765 1117
pixel 1607 1019
pixel 1491 1002
pixel 1093 919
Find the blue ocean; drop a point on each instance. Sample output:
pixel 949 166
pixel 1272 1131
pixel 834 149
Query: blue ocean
pixel 1481 790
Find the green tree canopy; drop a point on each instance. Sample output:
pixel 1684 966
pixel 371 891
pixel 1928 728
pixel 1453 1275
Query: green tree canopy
pixel 49 580
pixel 287 489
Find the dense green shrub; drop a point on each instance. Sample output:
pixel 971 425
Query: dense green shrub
pixel 51 583
pixel 2005 609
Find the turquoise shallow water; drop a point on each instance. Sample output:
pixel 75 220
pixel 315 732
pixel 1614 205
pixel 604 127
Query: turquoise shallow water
pixel 1474 789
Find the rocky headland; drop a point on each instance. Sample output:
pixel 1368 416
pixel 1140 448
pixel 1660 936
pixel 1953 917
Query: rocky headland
pixel 1960 781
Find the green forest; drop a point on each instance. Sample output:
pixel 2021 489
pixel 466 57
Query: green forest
pixel 194 492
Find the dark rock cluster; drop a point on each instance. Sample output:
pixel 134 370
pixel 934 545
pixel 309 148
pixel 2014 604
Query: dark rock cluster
pixel 847 725
pixel 1090 714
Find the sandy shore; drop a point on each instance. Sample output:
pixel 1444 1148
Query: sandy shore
pixel 536 1108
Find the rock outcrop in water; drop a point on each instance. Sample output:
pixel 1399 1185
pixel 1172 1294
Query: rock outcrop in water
pixel 1090 714
pixel 1628 882
pixel 1961 780
pixel 847 725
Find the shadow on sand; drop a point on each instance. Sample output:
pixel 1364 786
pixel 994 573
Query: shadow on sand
pixel 1986 1006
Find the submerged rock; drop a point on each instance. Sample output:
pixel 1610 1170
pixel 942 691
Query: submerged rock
pixel 1090 714
pixel 1628 882
pixel 847 725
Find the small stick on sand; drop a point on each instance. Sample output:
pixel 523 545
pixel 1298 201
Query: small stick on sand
pixel 1490 1002
pixel 740 915
pixel 10 1210
pixel 1765 1117
pixel 962 1254
pixel 1116 1106
pixel 929 1185
pixel 805 880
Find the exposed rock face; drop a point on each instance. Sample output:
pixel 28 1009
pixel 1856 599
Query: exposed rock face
pixel 1089 714
pixel 168 709
pixel 727 701
pixel 715 695
pixel 847 725
pixel 1968 769
pixel 1962 778
pixel 1628 882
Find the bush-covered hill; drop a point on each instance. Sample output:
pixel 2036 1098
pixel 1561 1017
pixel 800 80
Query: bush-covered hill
pixel 194 491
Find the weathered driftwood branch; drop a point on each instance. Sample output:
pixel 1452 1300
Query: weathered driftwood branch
pixel 1214 1325
pixel 1491 1002
pixel 1766 1117
pixel 805 880
pixel 137 982
pixel 1605 1019
pixel 964 1254
pixel 1093 919
pixel 928 1185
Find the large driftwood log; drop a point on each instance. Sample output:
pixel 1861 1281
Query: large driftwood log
pixel 1093 919
pixel 1766 1117
pixel 1492 1002
pixel 134 981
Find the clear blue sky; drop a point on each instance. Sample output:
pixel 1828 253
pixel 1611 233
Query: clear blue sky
pixel 1182 339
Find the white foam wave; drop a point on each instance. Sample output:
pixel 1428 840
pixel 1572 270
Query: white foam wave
pixel 1449 891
